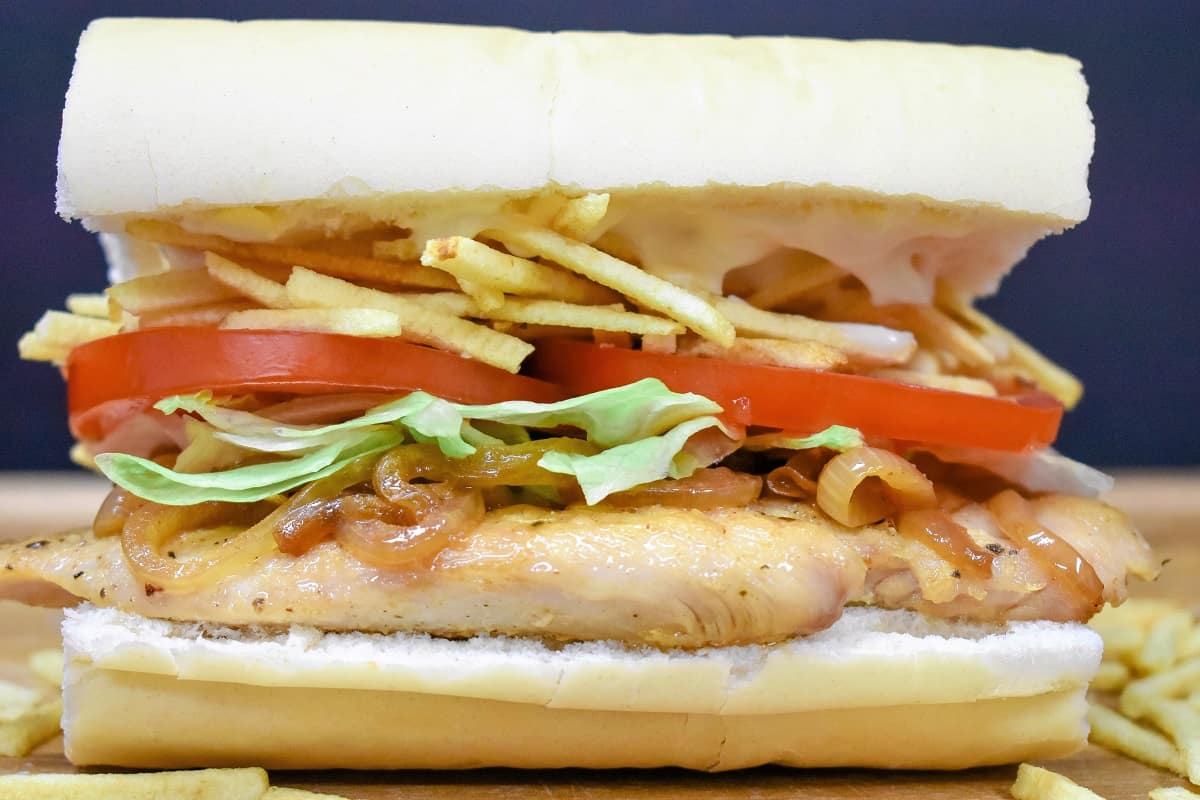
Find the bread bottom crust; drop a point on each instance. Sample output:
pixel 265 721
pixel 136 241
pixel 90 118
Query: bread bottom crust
pixel 136 719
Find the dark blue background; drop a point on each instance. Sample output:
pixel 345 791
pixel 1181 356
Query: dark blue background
pixel 1115 300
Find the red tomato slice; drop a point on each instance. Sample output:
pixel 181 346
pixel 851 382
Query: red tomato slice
pixel 808 401
pixel 111 378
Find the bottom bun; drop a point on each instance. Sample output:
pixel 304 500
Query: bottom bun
pixel 879 689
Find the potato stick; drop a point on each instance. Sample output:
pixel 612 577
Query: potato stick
pixel 31 348
pixel 16 701
pixel 343 266
pixel 951 383
pixel 1120 642
pixel 1172 793
pixel 1111 730
pixel 1189 647
pixel 421 322
pixel 48 665
pixel 282 793
pixel 581 216
pixel 1161 648
pixel 1035 783
pixel 371 322
pixel 21 735
pixel 472 260
pixel 612 339
pixel 873 342
pixel 1182 723
pixel 484 296
pixel 81 456
pixel 1053 378
pixel 69 330
pixel 1183 678
pixel 399 249
pixel 641 287
pixel 936 330
pixel 172 289
pixel 1111 677
pixel 88 305
pixel 816 272
pixel 652 343
pixel 531 332
pixel 552 312
pixel 195 316
pixel 772 352
pixel 245 281
pixel 1137 612
pixel 1194 699
pixel 202 784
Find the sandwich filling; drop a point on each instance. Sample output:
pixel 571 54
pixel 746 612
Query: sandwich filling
pixel 524 426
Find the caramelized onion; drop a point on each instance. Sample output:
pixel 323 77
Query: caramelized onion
pixel 705 488
pixel 798 477
pixel 867 484
pixel 500 465
pixel 948 539
pixel 114 512
pixel 1020 525
pixel 152 526
pixel 312 514
pixel 384 534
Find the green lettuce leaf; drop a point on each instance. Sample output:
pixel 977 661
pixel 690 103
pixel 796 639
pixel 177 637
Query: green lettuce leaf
pixel 160 484
pixel 835 437
pixel 644 424
pixel 632 464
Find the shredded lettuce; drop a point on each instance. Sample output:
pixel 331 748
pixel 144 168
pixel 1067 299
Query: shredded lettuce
pixel 642 425
pixel 835 437
pixel 248 484
pixel 632 464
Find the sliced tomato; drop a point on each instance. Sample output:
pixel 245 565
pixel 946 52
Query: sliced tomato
pixel 806 401
pixel 109 379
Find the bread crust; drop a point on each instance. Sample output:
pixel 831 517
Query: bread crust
pixel 152 694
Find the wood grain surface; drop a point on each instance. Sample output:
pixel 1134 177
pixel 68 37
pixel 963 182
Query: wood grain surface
pixel 1166 505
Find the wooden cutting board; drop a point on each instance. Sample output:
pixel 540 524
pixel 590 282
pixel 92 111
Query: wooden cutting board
pixel 1166 505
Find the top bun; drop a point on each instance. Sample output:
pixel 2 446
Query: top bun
pixel 983 149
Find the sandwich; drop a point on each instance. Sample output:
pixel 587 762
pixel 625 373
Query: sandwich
pixel 477 397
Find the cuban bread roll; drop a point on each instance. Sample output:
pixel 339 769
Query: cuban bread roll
pixel 902 163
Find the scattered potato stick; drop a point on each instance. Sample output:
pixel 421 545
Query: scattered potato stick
pixel 198 316
pixel 344 266
pixel 807 272
pixel 399 249
pixel 551 312
pixel 420 321
pixel 16 700
pixel 579 217
pixel 48 665
pixel 1035 783
pixel 1184 678
pixel 951 383
pixel 872 342
pixel 1190 646
pixel 1172 793
pixel 1111 730
pixel 202 784
pixel 641 287
pixel 31 348
pixel 1162 645
pixel 69 330
pixel 246 282
pixel 282 793
pixel 1120 642
pixel 21 735
pixel 484 296
pixel 937 330
pixel 171 289
pixel 1051 377
pixel 1111 677
pixel 531 332
pixel 88 305
pixel 471 260
pixel 1181 722
pixel 772 352
pixel 653 343
pixel 1139 612
pixel 81 456
pixel 372 322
